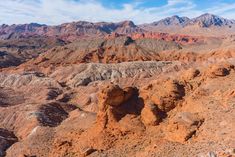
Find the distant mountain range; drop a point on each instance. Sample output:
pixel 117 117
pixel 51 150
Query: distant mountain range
pixel 206 24
pixel 68 30
pixel 205 20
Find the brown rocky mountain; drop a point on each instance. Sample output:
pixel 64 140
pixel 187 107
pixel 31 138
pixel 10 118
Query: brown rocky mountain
pixel 112 89
pixel 68 31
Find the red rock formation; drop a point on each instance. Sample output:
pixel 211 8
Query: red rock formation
pixel 180 39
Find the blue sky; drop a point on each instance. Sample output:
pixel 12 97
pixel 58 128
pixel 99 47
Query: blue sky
pixel 140 11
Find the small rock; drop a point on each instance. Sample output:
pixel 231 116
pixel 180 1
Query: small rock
pixel 87 151
pixel 211 154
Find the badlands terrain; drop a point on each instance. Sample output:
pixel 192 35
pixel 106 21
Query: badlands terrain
pixel 164 89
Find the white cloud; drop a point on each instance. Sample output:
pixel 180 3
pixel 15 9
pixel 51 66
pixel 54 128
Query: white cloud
pixel 223 9
pixel 60 11
pixel 175 2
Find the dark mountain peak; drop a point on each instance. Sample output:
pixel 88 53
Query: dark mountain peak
pixel 174 20
pixel 208 20
pixel 36 24
pixel 207 15
pixel 78 23
pixel 127 23
pixel 180 18
pixel 175 16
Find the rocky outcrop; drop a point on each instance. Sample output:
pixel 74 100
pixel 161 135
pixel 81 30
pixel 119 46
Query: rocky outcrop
pixel 152 105
pixel 112 100
pixel 164 94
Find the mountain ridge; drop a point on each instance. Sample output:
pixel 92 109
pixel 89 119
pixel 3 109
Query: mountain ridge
pixel 203 25
pixel 72 30
pixel 204 20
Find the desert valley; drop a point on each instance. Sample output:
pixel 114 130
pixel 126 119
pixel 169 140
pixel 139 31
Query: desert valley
pixel 161 89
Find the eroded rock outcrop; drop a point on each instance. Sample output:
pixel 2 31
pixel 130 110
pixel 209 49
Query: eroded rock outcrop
pixel 165 94
pixel 219 70
pixel 115 103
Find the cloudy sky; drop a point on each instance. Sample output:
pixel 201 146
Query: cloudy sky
pixel 140 11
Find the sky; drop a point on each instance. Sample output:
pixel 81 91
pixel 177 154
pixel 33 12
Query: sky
pixel 54 12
